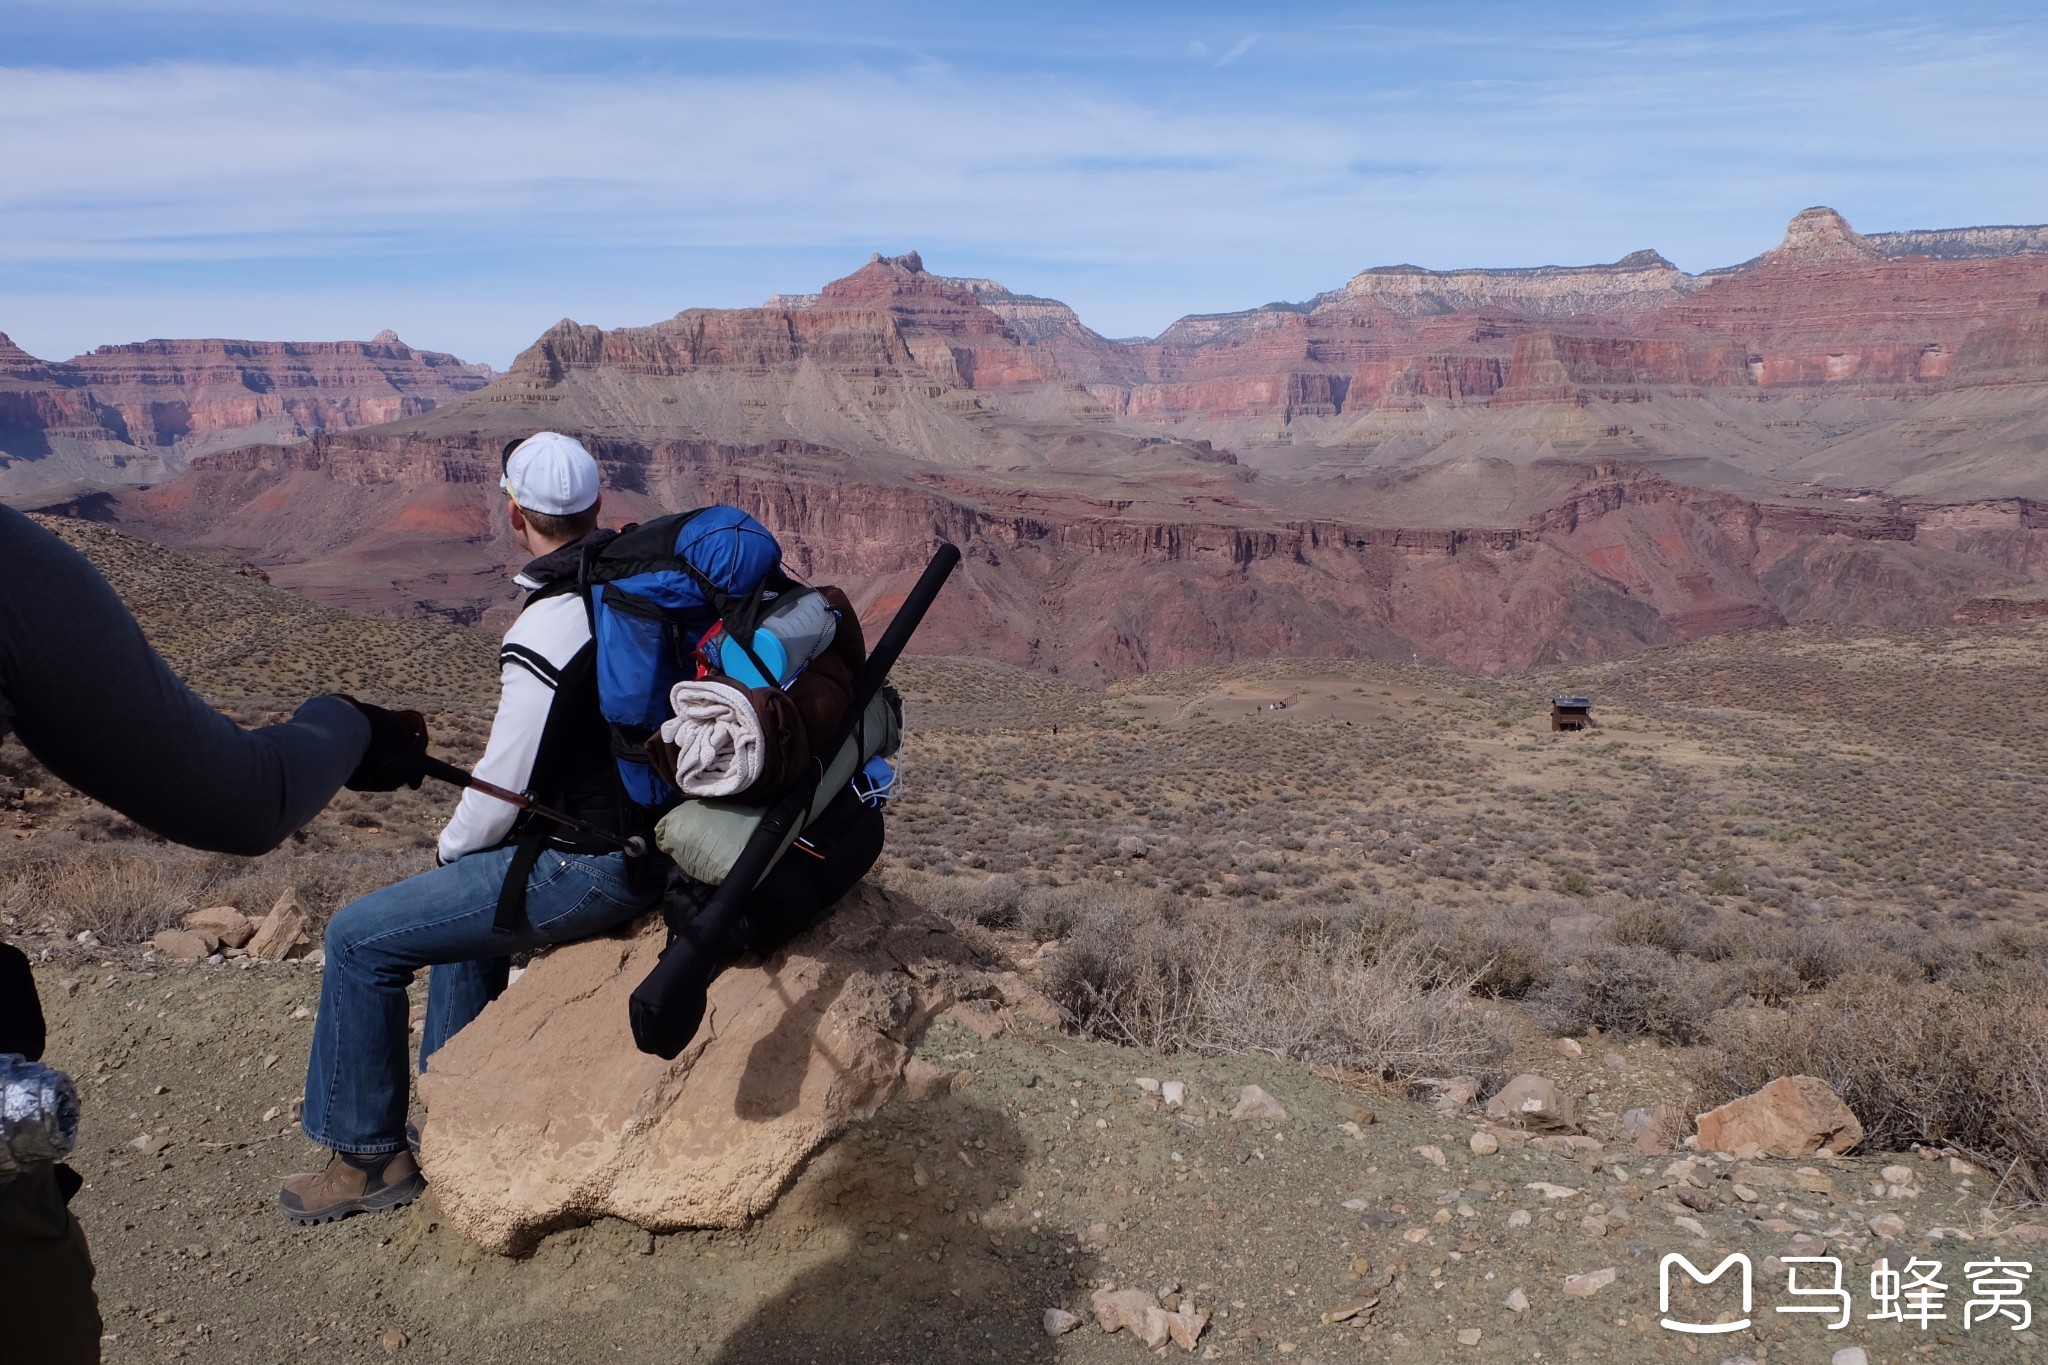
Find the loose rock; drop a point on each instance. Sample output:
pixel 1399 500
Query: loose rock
pixel 1254 1103
pixel 233 928
pixel 1586 1285
pixel 184 945
pixel 283 931
pixel 1484 1143
pixel 1652 1132
pixel 922 1080
pixel 1792 1116
pixel 1059 1322
pixel 1517 1301
pixel 1534 1103
pixel 1118 1309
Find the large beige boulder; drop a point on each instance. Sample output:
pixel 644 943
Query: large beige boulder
pixel 542 1114
pixel 1792 1116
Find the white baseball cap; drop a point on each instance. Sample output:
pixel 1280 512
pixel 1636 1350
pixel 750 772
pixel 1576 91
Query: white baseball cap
pixel 551 474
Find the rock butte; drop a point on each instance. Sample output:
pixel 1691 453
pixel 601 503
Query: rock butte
pixel 137 413
pixel 1487 468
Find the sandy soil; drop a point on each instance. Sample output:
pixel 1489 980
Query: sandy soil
pixel 942 1231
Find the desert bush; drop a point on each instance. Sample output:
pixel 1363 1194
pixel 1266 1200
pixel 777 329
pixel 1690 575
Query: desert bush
pixel 1651 924
pixel 121 895
pixel 1918 1062
pixel 1501 959
pixel 1635 990
pixel 1151 971
pixel 1783 960
pixel 126 891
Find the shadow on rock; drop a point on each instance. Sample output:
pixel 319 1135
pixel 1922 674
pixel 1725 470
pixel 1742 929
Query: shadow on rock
pixel 781 1059
pixel 925 1249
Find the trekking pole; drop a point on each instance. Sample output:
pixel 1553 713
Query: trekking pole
pixel 668 1006
pixel 442 771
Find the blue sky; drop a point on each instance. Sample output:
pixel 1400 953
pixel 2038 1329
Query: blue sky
pixel 469 172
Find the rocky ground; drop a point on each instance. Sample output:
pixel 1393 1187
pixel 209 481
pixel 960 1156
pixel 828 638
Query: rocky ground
pixel 1747 805
pixel 1362 1225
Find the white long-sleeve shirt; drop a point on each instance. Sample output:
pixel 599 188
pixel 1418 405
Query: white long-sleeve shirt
pixel 537 648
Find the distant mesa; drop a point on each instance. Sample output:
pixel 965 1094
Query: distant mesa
pixel 1490 468
pixel 139 411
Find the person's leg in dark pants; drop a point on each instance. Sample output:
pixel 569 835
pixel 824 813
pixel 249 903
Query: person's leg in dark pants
pixel 45 1275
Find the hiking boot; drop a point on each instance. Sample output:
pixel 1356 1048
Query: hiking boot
pixel 348 1186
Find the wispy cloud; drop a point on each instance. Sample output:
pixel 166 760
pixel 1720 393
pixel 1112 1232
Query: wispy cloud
pixel 478 193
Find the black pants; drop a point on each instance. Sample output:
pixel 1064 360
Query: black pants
pixel 53 1315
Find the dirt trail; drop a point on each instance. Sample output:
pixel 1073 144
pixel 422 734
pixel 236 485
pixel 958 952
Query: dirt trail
pixel 941 1231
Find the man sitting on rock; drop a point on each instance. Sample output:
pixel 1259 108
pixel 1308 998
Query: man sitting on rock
pixel 504 883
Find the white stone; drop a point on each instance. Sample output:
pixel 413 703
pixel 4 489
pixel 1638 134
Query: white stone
pixel 1254 1103
pixel 1588 1283
pixel 1059 1322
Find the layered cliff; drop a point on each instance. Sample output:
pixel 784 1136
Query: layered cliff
pixel 1486 468
pixel 139 412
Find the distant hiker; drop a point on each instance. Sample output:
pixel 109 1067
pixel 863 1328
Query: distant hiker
pixel 548 740
pixel 96 706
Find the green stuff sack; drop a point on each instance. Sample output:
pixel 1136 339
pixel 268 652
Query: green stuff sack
pixel 705 837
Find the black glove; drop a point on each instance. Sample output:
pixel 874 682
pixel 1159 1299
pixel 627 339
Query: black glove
pixel 397 756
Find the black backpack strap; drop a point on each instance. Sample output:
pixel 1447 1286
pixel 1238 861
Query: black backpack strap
pixel 739 616
pixel 511 913
pixel 547 762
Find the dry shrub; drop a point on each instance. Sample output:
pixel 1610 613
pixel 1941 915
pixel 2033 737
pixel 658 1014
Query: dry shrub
pixel 1777 961
pixel 1635 990
pixel 1651 924
pixel 121 895
pixel 125 891
pixel 1965 1064
pixel 1500 960
pixel 1150 970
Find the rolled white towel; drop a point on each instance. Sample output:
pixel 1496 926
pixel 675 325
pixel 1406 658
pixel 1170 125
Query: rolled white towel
pixel 718 738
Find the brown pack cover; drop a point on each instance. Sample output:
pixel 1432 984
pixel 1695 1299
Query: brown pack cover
pixel 797 719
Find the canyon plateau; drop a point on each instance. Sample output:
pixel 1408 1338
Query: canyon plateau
pixel 1493 469
pixel 138 413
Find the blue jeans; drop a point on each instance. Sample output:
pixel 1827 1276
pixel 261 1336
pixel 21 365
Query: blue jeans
pixel 356 1081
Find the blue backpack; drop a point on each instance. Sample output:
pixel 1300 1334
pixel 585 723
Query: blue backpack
pixel 654 590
